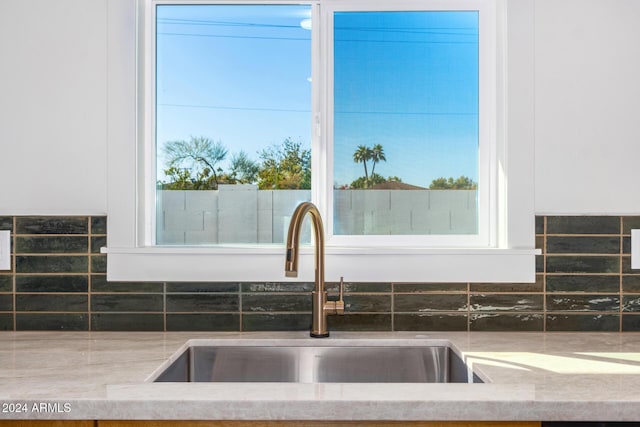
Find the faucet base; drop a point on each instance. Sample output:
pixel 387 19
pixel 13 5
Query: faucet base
pixel 319 335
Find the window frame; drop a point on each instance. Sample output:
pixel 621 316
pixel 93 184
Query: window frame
pixel 487 185
pixel 131 255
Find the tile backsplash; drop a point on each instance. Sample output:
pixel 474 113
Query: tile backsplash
pixel 584 282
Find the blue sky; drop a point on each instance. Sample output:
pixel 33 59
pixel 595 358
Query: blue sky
pixel 406 80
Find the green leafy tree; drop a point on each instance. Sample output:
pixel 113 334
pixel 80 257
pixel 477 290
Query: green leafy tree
pixel 373 180
pixel 441 183
pixel 461 183
pixel 181 179
pixel 200 155
pixel 243 170
pixel 285 166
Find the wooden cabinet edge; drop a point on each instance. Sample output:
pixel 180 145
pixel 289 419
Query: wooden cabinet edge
pixel 48 423
pixel 318 423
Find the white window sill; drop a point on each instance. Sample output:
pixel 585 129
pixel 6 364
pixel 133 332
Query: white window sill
pixel 355 264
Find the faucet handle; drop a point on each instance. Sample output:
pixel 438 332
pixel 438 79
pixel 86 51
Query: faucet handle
pixel 335 307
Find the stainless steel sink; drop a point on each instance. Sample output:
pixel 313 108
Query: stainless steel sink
pixel 311 364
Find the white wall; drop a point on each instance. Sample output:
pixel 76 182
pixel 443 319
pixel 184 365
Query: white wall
pixel 587 106
pixel 53 106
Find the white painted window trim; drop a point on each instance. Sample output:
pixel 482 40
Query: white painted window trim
pixel 132 257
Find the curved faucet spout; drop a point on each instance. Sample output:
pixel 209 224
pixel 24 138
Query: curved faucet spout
pixel 293 240
pixel 320 306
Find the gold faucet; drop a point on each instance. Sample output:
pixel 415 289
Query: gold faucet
pixel 320 308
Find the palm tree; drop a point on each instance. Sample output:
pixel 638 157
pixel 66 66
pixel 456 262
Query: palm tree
pixel 362 154
pixel 377 154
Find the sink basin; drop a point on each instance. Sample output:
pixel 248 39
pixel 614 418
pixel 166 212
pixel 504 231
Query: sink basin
pixel 316 364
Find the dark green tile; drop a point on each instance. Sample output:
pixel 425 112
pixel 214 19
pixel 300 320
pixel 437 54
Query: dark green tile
pixel 208 287
pixel 98 225
pixel 57 283
pixel 582 264
pixel 203 322
pixel 288 287
pixel 538 286
pixel 277 302
pixel 631 303
pixel 97 243
pixel 583 283
pixel 52 225
pixel 360 322
pixel 52 302
pixel 98 263
pixel 359 287
pixel 127 302
pixel 631 284
pixel 52 244
pixel 429 287
pixel 6 302
pixel 127 322
pixel 6 283
pixel 6 223
pixel 631 323
pixel 486 322
pixel 626 245
pixel 6 322
pixel 200 302
pixel 276 322
pixel 629 223
pixel 99 283
pixel 539 264
pixel 626 265
pixel 367 303
pixel 430 322
pixel 583 302
pixel 430 302
pixel 583 322
pixel 52 322
pixel 583 245
pixel 506 302
pixel 583 225
pixel 539 225
pixel 540 244
pixel 52 264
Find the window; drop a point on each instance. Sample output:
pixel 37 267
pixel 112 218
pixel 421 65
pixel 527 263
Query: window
pixel 233 109
pixel 407 152
pixel 389 116
pixel 232 121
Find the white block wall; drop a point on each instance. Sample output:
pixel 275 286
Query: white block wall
pixel 244 214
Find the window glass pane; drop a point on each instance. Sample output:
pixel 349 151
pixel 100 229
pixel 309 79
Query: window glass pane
pixel 406 147
pixel 233 127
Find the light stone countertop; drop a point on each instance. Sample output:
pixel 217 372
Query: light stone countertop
pixel 534 376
